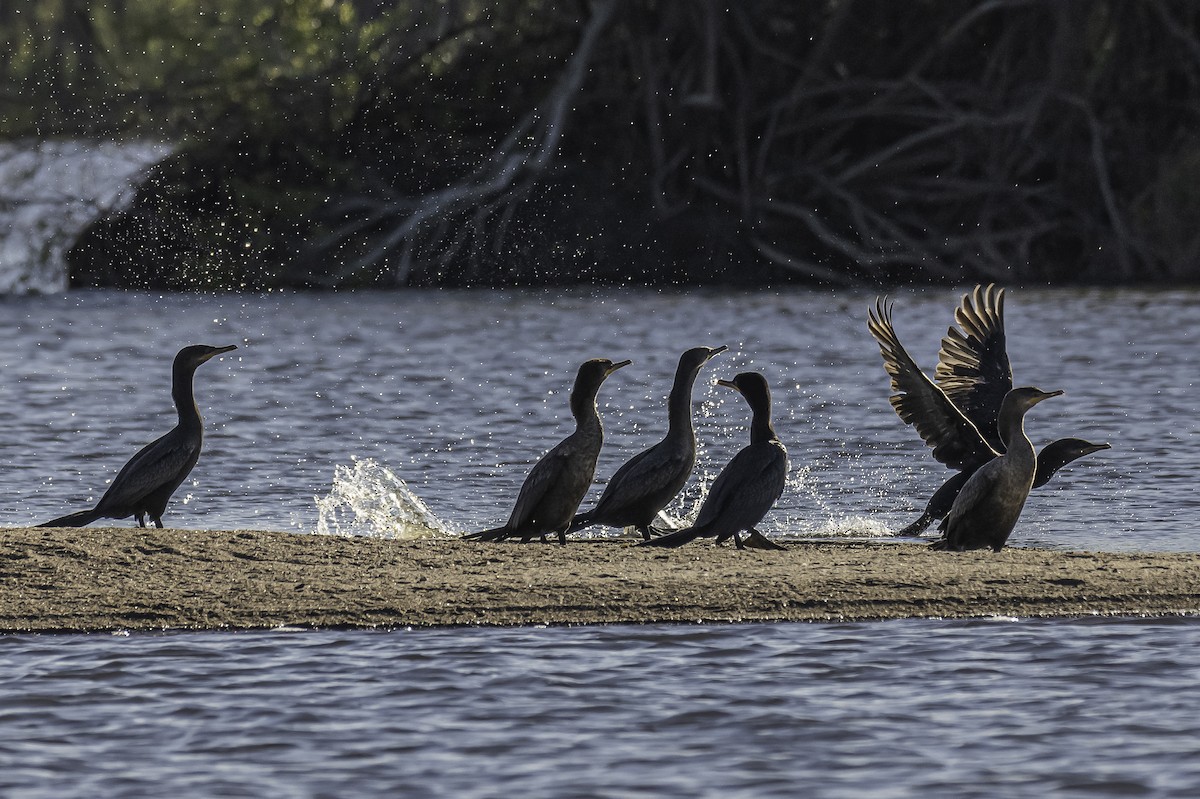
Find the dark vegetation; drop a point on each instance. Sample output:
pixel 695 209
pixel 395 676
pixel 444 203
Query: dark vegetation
pixel 373 142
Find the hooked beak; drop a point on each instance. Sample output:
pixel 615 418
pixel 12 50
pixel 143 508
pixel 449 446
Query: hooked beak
pixel 729 384
pixel 617 366
pixel 220 351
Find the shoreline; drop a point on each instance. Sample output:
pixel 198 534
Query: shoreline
pixel 105 579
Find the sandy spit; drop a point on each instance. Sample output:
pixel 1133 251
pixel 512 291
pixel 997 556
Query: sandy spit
pixel 105 579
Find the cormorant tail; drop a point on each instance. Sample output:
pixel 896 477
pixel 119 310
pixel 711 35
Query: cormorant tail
pixel 494 534
pixel 80 519
pixel 919 526
pixel 756 540
pixel 675 539
pixel 581 521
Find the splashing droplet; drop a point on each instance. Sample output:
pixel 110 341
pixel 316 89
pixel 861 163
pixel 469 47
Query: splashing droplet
pixel 368 499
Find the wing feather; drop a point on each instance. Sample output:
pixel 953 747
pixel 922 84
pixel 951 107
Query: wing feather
pixel 919 401
pixel 648 474
pixel 745 490
pixel 157 464
pixel 973 368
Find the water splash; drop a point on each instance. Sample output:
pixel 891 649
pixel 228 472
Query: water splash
pixel 851 526
pixel 49 192
pixel 368 499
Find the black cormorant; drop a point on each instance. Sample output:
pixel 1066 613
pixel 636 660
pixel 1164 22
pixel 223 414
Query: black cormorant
pixel 989 504
pixel 651 479
pixel 557 483
pixel 749 484
pixel 958 415
pixel 143 487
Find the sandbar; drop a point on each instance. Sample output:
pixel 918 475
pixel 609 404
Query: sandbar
pixel 98 579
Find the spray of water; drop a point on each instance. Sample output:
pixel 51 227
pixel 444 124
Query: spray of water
pixel 368 499
pixel 819 519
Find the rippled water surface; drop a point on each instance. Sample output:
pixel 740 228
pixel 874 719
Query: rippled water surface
pixel 330 400
pixel 922 708
pixel 457 393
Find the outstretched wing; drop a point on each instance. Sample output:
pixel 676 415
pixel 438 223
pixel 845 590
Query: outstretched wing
pixel 973 368
pixel 918 401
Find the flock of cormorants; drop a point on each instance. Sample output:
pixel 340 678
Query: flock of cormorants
pixel 969 414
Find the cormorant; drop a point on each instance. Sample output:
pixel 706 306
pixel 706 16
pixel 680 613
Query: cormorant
pixel 958 415
pixel 145 484
pixel 557 483
pixel 651 479
pixel 749 484
pixel 989 504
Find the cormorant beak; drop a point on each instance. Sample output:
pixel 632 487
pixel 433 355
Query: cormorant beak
pixel 1048 394
pixel 729 384
pixel 617 366
pixel 1097 448
pixel 220 351
pixel 715 351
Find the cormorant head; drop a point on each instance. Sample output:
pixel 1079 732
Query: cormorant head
pixel 1058 454
pixel 1019 400
pixel 1064 450
pixel 592 373
pixel 587 382
pixel 752 386
pixel 196 354
pixel 696 357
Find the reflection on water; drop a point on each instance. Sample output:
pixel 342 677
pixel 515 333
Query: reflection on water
pixel 456 394
pixel 988 708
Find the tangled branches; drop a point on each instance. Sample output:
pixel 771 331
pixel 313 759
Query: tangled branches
pixel 842 142
pixel 861 141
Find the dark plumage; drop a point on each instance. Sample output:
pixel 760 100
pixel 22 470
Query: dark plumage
pixel 651 479
pixel 145 484
pixel 958 415
pixel 748 486
pixel 990 502
pixel 557 483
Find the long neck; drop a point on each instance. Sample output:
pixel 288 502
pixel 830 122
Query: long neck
pixel 760 423
pixel 583 405
pixel 679 404
pixel 1012 431
pixel 185 400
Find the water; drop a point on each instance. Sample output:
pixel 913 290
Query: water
pixel 919 708
pixel 419 413
pixel 457 393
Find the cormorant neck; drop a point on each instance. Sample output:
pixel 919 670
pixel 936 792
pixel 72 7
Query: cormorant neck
pixel 583 404
pixel 185 399
pixel 760 423
pixel 1012 433
pixel 679 404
